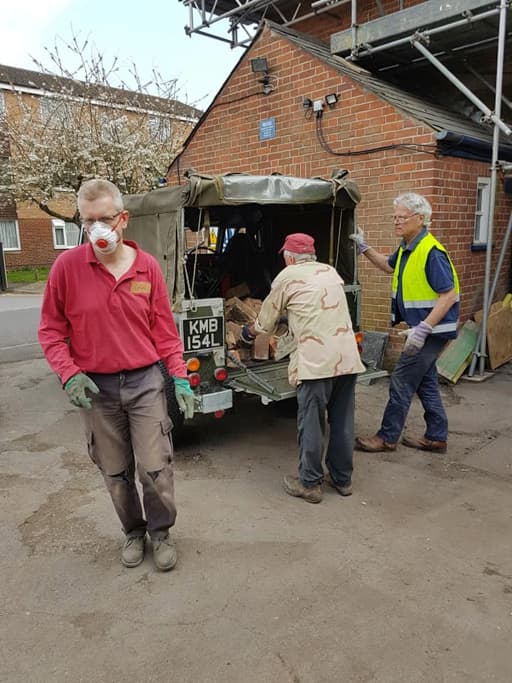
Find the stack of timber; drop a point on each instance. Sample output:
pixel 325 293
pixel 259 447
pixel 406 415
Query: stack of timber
pixel 244 311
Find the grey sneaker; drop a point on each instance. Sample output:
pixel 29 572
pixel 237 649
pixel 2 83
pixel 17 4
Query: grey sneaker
pixel 132 553
pixel 164 553
pixel 345 490
pixel 294 487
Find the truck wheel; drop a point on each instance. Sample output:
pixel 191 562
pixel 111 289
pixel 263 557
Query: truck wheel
pixel 173 409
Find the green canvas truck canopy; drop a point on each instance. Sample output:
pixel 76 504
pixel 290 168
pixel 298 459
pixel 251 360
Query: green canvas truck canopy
pixel 233 189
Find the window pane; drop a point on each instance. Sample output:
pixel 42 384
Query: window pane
pixel 159 128
pixel 54 111
pixel 478 228
pixel 72 234
pixel 9 235
pixel 59 237
pixel 479 199
pixel 482 210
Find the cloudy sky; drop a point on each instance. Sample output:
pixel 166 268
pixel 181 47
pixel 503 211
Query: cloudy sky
pixel 150 34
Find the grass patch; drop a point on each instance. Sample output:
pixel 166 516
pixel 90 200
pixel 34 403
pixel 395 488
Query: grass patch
pixel 27 275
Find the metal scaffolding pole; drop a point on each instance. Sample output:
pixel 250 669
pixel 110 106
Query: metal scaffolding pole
pixel 482 354
pixel 367 50
pixel 499 265
pixel 494 116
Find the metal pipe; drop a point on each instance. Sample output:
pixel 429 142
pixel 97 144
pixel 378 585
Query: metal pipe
pixel 460 85
pixel 491 87
pixel 427 32
pixel 353 24
pixel 212 35
pixel 297 20
pixel 236 10
pixel 320 3
pixel 494 170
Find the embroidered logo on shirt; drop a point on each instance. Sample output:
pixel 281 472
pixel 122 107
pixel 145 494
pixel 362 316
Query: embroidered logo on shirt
pixel 140 287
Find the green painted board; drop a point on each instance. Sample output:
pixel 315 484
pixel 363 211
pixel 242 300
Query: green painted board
pixel 457 354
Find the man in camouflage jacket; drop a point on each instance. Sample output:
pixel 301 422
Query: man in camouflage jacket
pixel 323 365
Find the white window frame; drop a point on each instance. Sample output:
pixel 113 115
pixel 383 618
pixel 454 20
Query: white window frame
pixel 2 103
pixel 59 224
pixel 12 220
pixel 481 226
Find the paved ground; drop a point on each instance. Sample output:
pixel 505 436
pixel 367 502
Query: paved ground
pixel 407 581
pixel 19 319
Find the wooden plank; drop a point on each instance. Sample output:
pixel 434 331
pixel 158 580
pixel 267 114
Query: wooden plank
pixel 497 306
pixel 456 355
pixel 499 337
pixel 499 332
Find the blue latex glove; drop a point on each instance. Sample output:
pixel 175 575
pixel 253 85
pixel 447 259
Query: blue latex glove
pixel 358 238
pixel 416 337
pixel 184 396
pixel 75 389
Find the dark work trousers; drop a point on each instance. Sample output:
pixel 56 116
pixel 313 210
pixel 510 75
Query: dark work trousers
pixel 416 373
pixel 127 428
pixel 336 395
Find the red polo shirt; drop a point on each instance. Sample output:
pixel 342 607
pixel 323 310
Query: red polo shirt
pixel 92 323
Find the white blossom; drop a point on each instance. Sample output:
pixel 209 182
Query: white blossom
pixel 84 127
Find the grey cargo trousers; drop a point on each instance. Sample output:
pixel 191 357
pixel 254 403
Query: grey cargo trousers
pixel 336 395
pixel 128 428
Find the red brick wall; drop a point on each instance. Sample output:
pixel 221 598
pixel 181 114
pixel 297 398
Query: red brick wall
pixel 36 245
pixel 228 140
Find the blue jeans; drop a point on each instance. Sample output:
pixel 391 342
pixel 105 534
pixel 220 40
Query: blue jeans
pixel 336 395
pixel 416 374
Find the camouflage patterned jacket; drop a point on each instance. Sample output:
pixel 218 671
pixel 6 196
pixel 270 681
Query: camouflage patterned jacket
pixel 312 295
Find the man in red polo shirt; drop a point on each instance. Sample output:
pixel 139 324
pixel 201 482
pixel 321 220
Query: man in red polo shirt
pixel 106 321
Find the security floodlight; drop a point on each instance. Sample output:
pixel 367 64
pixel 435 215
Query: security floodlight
pixel 259 65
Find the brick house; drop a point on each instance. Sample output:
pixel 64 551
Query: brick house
pixel 390 140
pixel 31 237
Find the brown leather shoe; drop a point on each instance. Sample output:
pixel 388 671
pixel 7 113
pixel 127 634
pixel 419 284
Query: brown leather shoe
pixel 373 444
pixel 423 444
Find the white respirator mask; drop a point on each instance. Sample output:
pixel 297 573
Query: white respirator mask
pixel 103 238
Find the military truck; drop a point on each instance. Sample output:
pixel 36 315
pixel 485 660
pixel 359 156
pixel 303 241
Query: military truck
pixel 243 221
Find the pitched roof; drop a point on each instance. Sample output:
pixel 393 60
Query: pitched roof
pixel 50 83
pixel 436 117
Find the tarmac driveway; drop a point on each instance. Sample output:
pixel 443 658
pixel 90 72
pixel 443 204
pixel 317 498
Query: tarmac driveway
pixel 409 580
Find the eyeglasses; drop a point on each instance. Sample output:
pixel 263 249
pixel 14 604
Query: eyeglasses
pixel 403 219
pixel 88 222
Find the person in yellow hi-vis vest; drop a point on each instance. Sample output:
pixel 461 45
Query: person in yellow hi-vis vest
pixel 425 295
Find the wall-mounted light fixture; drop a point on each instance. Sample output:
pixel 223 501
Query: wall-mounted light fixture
pixel 259 65
pixel 331 99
